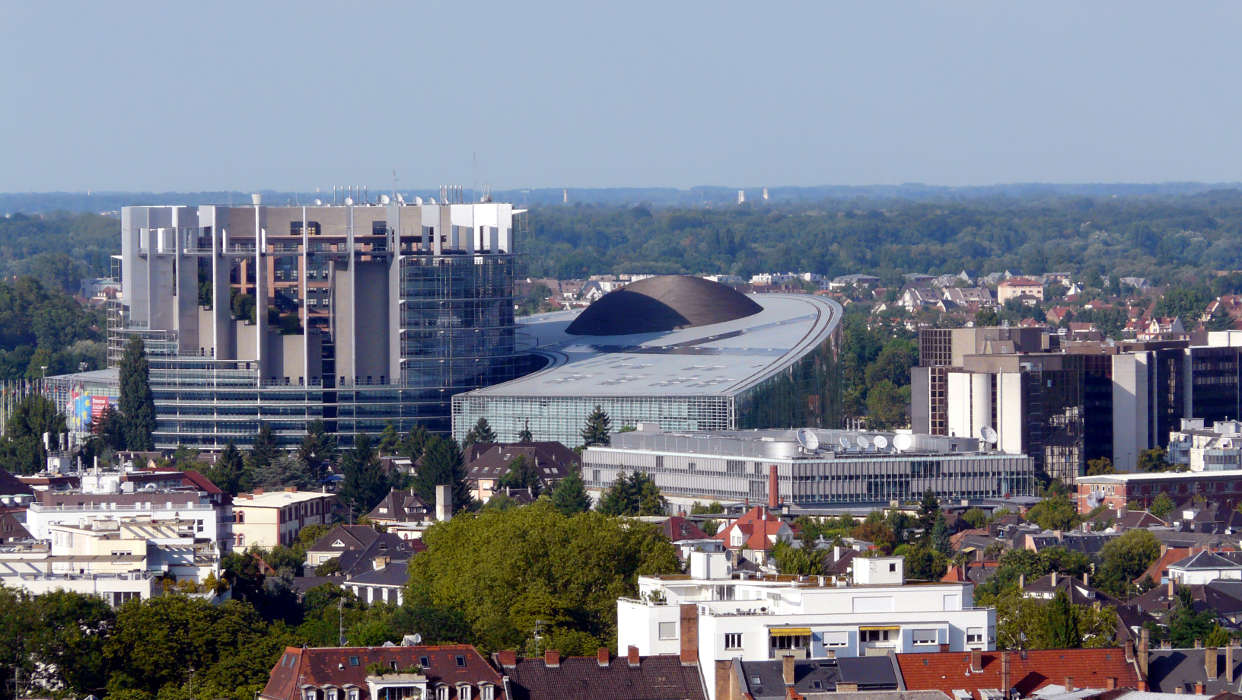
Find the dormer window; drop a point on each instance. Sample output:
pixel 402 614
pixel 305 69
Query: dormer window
pixel 442 693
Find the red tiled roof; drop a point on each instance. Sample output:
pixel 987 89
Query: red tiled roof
pixel 340 666
pixel 1028 670
pixel 678 528
pixel 757 524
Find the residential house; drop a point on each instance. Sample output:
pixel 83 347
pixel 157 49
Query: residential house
pixel 403 513
pixel 268 518
pixel 383 582
pixel 448 672
pixel 14 494
pixel 754 535
pixel 11 529
pixel 915 299
pixel 972 298
pixel 842 282
pixel 1205 567
pixel 1024 289
pixel 601 677
pixel 1195 671
pixel 486 464
pixel 356 546
pixel 1163 328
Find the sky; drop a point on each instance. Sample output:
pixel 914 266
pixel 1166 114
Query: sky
pixel 181 96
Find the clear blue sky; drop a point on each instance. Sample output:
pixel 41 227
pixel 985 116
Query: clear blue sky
pixel 283 95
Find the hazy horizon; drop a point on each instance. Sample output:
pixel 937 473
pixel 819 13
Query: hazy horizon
pixel 158 97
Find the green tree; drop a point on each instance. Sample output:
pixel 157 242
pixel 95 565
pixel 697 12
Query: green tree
pixel 137 401
pixel 264 450
pixel 442 464
pixel 569 496
pixel 1098 466
pixel 1153 460
pixel 929 510
pixel 1123 559
pixel 987 317
pixel 940 536
pixel 22 450
pixel 522 474
pixel 1061 622
pixel 503 570
pixel 285 470
pixel 481 433
pixel 1056 512
pixel 365 483
pixel 635 494
pixel 798 561
pixel 976 518
pixel 888 406
pixel 924 563
pixel 597 429
pixel 414 442
pixel 229 471
pixel 389 439
pixel 524 434
pixel 317 451
pixel 67 640
pixel 1161 505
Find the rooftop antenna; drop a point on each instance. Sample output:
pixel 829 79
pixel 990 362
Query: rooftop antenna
pixel 808 439
pixel 881 442
pixel 988 434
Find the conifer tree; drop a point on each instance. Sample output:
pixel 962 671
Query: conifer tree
pixel 570 496
pixel 137 402
pixel 524 434
pixel 229 470
pixel 365 483
pixel 442 464
pixel 597 429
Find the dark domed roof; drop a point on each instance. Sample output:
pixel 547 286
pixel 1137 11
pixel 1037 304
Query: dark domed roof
pixel 660 304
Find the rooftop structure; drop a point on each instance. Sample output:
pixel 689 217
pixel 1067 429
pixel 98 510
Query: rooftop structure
pixel 1117 490
pixel 712 360
pixel 1207 449
pixel 375 673
pixel 266 519
pixel 813 467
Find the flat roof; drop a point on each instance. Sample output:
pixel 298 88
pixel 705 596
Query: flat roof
pixel 1158 476
pixel 719 359
pixel 277 499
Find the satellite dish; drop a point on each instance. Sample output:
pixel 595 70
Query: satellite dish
pixel 881 442
pixel 844 442
pixel 384 199
pixel 319 202
pixel 808 439
pixel 862 442
pixel 988 434
pixel 349 201
pixel 903 442
pixel 417 638
pixel 418 201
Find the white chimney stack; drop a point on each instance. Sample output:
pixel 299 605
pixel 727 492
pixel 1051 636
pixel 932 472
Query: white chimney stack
pixel 444 502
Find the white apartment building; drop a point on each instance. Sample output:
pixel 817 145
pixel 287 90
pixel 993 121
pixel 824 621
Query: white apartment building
pixel 266 519
pixel 1204 449
pixel 733 616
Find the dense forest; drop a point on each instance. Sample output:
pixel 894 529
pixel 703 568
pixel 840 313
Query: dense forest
pixel 1165 239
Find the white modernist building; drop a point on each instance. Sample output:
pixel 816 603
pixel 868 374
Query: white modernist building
pixel 731 616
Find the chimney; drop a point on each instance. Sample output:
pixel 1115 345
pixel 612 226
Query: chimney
pixel 258 491
pixel 291 489
pixel 1054 579
pixel 1129 651
pixel 1069 684
pixel 1144 641
pixel 632 656
pixel 1110 683
pixel 774 496
pixel 976 661
pixel 507 658
pixel 1005 674
pixel 602 657
pixel 944 648
pixel 1199 688
pixel 1209 662
pixel 689 633
pixel 1086 579
pixel 1229 662
pixel 552 658
pixel 1141 686
pixel 1171 591
pixel 787 669
pixel 1021 580
pixel 444 502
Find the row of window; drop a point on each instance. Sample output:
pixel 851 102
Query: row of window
pixel 918 637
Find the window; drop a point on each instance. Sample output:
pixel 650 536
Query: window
pixel 892 568
pixel 487 692
pixel 733 640
pixel 353 661
pixel 974 635
pixel 442 693
pixel 463 691
pixel 923 637
pixel 668 630
pixel 331 693
pixel 422 661
pixel 461 661
pixel 874 635
pixel 309 694
pixel 836 639
pixel 239 516
pixel 353 694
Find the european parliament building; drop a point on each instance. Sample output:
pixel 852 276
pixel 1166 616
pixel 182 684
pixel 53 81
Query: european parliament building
pixel 682 353
pixel 357 315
